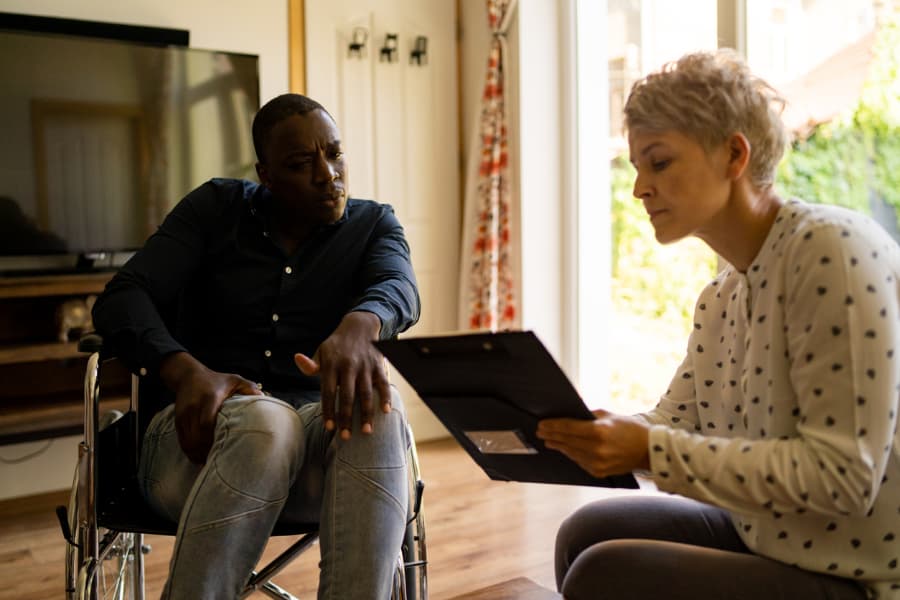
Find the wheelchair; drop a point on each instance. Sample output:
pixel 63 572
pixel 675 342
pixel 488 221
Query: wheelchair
pixel 106 519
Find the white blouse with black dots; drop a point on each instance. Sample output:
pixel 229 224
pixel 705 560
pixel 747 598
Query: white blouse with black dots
pixel 784 411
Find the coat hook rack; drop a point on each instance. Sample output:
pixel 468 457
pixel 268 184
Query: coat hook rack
pixel 419 53
pixel 389 49
pixel 358 42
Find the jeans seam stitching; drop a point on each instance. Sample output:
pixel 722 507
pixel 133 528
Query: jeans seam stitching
pixel 230 519
pixel 358 475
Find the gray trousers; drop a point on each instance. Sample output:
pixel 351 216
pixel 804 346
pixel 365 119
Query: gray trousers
pixel 652 547
pixel 271 462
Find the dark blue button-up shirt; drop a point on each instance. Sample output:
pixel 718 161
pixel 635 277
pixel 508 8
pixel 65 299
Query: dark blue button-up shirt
pixel 212 283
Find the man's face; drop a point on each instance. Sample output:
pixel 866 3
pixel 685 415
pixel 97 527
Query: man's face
pixel 304 169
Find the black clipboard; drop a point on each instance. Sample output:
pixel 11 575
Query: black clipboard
pixel 490 390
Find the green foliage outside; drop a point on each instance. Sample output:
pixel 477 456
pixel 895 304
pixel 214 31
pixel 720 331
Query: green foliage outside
pixel 654 288
pixel 843 161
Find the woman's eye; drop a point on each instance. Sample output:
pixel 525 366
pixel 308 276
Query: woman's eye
pixel 337 155
pixel 659 165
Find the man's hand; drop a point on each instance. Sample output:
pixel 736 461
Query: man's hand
pixel 199 394
pixel 350 367
pixel 608 445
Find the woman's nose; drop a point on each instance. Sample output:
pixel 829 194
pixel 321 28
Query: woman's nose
pixel 641 189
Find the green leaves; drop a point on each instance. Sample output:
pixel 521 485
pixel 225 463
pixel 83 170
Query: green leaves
pixel 844 161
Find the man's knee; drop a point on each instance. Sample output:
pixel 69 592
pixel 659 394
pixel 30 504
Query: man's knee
pixel 386 445
pixel 392 424
pixel 396 401
pixel 260 431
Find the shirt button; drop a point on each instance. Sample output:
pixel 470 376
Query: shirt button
pixel 275 317
pixel 142 371
pixel 268 353
pixel 288 270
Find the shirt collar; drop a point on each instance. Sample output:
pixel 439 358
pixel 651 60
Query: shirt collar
pixel 259 199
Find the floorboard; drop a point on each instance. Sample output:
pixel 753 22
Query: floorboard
pixel 480 533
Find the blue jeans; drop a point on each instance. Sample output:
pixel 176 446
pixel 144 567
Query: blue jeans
pixel 271 462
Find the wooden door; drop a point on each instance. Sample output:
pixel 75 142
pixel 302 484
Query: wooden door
pixel 398 119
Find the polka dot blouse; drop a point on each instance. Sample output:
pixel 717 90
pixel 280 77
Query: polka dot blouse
pixel 784 411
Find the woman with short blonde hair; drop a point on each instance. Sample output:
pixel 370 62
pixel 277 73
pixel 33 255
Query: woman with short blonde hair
pixel 777 435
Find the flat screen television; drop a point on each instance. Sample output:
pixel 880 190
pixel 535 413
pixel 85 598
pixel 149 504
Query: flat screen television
pixel 99 138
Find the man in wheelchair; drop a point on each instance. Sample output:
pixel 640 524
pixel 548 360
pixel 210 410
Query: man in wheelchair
pixel 255 306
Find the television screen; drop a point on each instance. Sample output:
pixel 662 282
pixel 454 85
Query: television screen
pixel 100 138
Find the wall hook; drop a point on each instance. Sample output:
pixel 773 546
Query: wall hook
pixel 419 53
pixel 358 43
pixel 390 47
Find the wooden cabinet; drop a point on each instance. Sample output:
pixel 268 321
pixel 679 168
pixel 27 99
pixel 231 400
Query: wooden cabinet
pixel 41 377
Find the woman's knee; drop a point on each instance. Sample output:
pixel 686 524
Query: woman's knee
pixel 590 524
pixel 610 569
pixel 578 531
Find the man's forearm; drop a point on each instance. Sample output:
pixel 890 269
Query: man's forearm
pixel 396 304
pixel 175 367
pixel 132 327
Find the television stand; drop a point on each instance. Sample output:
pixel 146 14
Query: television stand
pixel 42 394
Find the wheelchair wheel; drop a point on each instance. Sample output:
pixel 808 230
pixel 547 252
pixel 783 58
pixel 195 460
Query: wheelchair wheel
pixel 414 561
pixel 114 574
pixel 413 565
pixel 74 556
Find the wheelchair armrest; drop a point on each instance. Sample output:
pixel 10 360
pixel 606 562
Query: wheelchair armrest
pixel 90 343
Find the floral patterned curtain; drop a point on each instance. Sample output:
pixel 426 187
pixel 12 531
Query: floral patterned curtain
pixel 490 300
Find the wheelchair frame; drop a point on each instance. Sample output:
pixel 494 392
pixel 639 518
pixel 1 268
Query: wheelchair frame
pixel 93 542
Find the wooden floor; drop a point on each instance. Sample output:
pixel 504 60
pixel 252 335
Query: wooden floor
pixel 479 533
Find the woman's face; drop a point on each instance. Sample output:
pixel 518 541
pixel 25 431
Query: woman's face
pixel 684 188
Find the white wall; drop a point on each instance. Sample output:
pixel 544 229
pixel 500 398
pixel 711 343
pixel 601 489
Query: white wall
pixel 37 467
pixel 540 152
pixel 473 50
pixel 259 27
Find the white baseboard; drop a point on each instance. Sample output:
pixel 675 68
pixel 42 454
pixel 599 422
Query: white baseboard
pixel 37 467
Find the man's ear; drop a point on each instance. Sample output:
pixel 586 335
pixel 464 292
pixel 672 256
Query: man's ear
pixel 738 155
pixel 262 174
